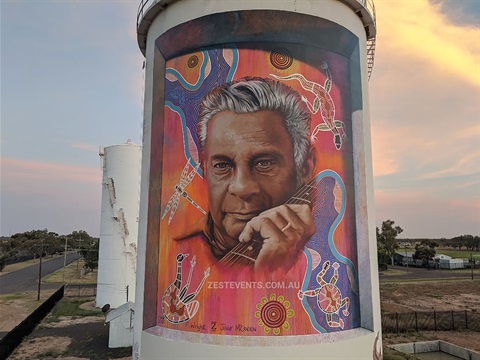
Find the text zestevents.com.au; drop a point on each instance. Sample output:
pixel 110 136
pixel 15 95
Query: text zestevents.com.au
pixel 253 285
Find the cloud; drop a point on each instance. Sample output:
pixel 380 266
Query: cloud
pixel 425 110
pixel 419 30
pixel 85 146
pixel 60 197
pixel 466 12
pixel 424 113
pixel 24 176
pixel 422 215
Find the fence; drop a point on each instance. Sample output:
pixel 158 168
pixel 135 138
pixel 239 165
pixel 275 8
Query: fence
pixel 10 341
pixel 431 321
pixel 80 290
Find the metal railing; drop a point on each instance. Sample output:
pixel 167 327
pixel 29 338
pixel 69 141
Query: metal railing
pixel 368 5
pixel 143 8
pixel 80 290
pixel 145 5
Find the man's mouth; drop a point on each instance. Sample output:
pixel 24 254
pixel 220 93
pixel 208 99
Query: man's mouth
pixel 243 216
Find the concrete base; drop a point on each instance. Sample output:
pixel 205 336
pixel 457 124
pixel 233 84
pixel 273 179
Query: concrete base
pixel 437 345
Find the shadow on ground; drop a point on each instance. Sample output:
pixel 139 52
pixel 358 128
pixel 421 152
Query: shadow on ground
pixel 86 340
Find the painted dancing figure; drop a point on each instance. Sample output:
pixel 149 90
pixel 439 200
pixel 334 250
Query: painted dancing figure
pixel 329 297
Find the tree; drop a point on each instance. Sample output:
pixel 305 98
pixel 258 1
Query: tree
pixel 89 252
pixel 425 251
pixel 469 241
pixel 3 262
pixel 87 245
pixel 31 241
pixel 386 238
pixel 77 239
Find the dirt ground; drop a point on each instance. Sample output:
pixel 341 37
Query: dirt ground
pixel 438 295
pixel 80 338
pixel 87 337
pixel 73 339
pixel 16 307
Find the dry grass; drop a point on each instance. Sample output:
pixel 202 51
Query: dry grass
pixel 395 297
pixel 16 307
pixel 74 274
pixel 434 295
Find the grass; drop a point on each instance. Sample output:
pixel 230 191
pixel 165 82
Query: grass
pixel 394 272
pixel 459 254
pixel 391 354
pixel 74 274
pixel 50 354
pixel 452 279
pixel 28 299
pixel 71 307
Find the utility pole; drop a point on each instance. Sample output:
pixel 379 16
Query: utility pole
pixel 40 273
pixel 473 263
pixel 65 259
pixel 79 246
pixel 406 257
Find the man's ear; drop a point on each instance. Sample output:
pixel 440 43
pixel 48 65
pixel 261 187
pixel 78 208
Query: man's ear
pixel 308 170
pixel 202 161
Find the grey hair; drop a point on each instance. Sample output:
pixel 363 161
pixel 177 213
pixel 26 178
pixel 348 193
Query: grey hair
pixel 252 94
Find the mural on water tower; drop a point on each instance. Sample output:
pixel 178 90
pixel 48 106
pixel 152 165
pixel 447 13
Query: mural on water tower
pixel 253 188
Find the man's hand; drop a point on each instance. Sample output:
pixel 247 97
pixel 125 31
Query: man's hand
pixel 285 230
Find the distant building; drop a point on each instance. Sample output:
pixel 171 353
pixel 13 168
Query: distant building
pixel 403 258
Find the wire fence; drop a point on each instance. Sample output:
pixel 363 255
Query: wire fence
pixel 80 290
pixel 431 321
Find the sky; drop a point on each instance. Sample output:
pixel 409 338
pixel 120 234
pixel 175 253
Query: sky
pixel 72 80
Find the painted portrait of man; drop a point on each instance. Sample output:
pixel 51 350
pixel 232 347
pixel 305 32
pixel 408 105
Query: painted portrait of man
pixel 256 154
pixel 253 179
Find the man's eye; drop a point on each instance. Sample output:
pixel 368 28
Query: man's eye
pixel 264 165
pixel 221 166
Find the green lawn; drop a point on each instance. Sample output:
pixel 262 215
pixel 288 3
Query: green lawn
pixel 459 254
pixel 456 254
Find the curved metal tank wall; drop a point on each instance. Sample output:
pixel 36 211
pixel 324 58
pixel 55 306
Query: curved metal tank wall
pixel 118 224
pixel 184 43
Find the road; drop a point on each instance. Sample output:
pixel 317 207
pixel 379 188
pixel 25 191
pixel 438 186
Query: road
pixel 26 279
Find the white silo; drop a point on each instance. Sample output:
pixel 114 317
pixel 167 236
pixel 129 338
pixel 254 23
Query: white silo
pixel 202 291
pixel 118 224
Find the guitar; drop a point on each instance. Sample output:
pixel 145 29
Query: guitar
pixel 247 253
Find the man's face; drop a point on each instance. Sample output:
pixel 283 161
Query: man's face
pixel 249 168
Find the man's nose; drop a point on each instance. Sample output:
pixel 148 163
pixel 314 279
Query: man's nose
pixel 243 184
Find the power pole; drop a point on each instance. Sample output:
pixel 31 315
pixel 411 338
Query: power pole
pixel 65 259
pixel 40 273
pixel 406 257
pixel 473 263
pixel 79 246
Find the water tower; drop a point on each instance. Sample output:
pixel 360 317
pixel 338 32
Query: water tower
pixel 118 224
pixel 257 129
